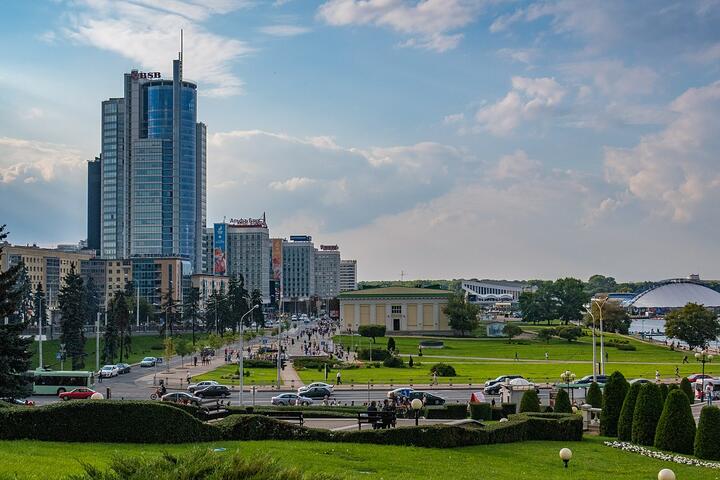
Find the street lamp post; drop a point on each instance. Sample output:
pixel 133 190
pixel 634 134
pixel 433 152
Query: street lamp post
pixel 416 405
pixel 567 376
pixel 703 357
pixel 241 370
pixel 97 342
pixel 601 303
pixel 594 354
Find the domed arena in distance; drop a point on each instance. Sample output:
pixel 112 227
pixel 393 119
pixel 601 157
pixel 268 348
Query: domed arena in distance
pixel 676 294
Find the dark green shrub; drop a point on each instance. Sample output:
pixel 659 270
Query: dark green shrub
pixel 613 397
pixel 530 402
pixel 378 354
pixel 624 429
pixel 410 362
pixel 626 347
pixel 562 402
pixel 391 344
pixel 393 362
pixel 686 387
pixel 497 413
pixel 105 421
pixel 508 409
pixel 254 363
pixel 594 395
pixel 443 370
pixel 663 391
pixel 706 442
pixel 648 408
pixel 553 426
pixel 372 331
pixel 311 363
pixel 676 429
pixel 481 411
pixel 450 411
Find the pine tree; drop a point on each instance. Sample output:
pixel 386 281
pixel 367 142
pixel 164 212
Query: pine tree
pixel 676 428
pixel 213 309
pixel 624 431
pixel 191 309
pixel 615 390
pixel 257 315
pixel 648 408
pixel 73 310
pixel 123 322
pixel 24 288
pixel 391 344
pixel 686 387
pixel 706 445
pixel 562 402
pixel 14 349
pixel 238 301
pixel 93 300
pixel 594 395
pixel 169 309
pixel 111 337
pixel 530 401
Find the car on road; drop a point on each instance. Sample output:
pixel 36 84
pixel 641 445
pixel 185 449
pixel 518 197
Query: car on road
pixel 123 368
pixel 588 379
pixel 108 371
pixel 492 387
pixel 78 394
pixel 148 362
pixel 698 376
pixel 317 392
pixel 313 385
pixel 213 391
pixel 289 399
pixel 427 397
pixel 639 380
pixel 182 397
pixel 18 401
pixel 400 392
pixel 200 385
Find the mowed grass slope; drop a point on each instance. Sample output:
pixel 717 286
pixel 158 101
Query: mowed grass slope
pixel 591 460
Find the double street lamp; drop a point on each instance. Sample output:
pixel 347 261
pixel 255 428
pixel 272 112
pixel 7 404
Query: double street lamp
pixel 241 370
pixel 703 357
pixel 600 302
pixel 567 376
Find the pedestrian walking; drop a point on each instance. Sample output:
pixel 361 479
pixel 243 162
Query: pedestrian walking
pixel 685 360
pixel 709 394
pixel 516 356
pixel 607 355
pixel 188 378
pixel 434 378
pixel 657 376
pixel 677 373
pixel 338 378
pixel 546 356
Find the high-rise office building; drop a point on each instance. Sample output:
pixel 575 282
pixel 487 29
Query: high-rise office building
pixel 327 271
pixel 153 169
pixel 93 207
pixel 348 275
pixel 298 274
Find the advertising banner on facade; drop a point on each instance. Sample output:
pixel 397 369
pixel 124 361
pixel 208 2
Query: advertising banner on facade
pixel 219 251
pixel 277 264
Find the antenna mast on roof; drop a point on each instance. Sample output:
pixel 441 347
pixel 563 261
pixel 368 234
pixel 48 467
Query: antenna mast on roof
pixel 180 53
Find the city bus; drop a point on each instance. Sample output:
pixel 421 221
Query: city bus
pixel 55 382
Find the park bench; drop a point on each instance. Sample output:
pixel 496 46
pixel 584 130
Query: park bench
pixel 289 416
pixel 376 419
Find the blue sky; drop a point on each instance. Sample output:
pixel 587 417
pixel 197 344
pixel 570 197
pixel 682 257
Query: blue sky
pixel 445 138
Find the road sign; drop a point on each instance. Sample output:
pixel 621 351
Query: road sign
pixel 58 356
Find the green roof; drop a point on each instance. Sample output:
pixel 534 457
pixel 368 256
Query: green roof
pixel 396 292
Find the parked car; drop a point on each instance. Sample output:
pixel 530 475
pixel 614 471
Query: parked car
pixel 289 399
pixel 108 371
pixel 213 391
pixel 639 380
pixel 698 376
pixel 182 397
pixel 123 368
pixel 492 387
pixel 588 379
pixel 18 401
pixel 427 397
pixel 200 385
pixel 317 392
pixel 81 393
pixel 305 388
pixel 400 392
pixel 148 362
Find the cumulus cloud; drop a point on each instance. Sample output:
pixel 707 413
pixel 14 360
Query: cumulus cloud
pixel 284 30
pixel 516 166
pixel 674 172
pixel 30 161
pixel 613 78
pixel 522 55
pixel 529 99
pixel 148 32
pixel 428 23
pixel 292 184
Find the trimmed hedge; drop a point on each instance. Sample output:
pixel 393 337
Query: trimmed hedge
pixel 624 429
pixel 255 363
pixel 450 411
pixel 562 402
pixel 706 444
pixel 106 421
pixel 443 370
pixel 594 395
pixel 530 402
pixel 676 429
pixel 648 408
pixel 481 411
pixel 497 413
pixel 316 411
pixel 378 354
pixel 663 392
pixel 508 409
pixel 686 387
pixel 614 394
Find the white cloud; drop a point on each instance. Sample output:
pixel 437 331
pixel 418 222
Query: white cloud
pixel 292 184
pixel 429 23
pixel 149 33
pixel 33 113
pixel 674 172
pixel 529 99
pixel 707 55
pixel 453 118
pixel 284 30
pixel 516 166
pixel 31 161
pixel 613 78
pixel 522 55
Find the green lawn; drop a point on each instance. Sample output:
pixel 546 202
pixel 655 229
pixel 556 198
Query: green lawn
pixel 258 376
pixel 591 460
pixel 142 346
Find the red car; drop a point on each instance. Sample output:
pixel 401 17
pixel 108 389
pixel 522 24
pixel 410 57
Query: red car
pixel 77 394
pixel 698 376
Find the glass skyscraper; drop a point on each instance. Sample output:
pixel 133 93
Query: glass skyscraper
pixel 153 169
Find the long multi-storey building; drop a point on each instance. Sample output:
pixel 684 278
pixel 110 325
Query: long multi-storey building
pixel 298 276
pixel 348 275
pixel 327 272
pixel 94 195
pixel 153 167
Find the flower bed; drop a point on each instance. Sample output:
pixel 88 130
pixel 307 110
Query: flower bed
pixel 667 457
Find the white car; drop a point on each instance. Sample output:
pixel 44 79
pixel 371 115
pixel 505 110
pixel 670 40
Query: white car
pixel 108 371
pixel 200 385
pixel 291 399
pixel 148 362
pixel 305 388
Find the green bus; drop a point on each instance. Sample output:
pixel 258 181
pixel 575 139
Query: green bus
pixel 55 382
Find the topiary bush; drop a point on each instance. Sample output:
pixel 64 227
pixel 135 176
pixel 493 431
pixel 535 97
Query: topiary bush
pixel 455 411
pixel 378 354
pixel 530 402
pixel 706 443
pixel 624 429
pixel 663 392
pixel 594 395
pixel 613 397
pixel 676 429
pixel 393 362
pixel 508 409
pixel 648 408
pixel 481 411
pixel 562 402
pixel 443 370
pixel 686 387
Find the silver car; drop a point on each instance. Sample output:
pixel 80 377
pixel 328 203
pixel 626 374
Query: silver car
pixel 200 385
pixel 288 399
pixel 182 397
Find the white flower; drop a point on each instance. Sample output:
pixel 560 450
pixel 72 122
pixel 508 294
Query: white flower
pixel 667 457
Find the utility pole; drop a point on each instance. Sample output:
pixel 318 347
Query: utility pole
pixel 137 307
pixel 40 333
pixel 97 341
pixel 241 370
pixel 279 352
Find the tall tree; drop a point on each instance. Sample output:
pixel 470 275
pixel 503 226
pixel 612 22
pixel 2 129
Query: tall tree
pixel 571 296
pixel 73 309
pixel 462 316
pixel 212 323
pixel 693 324
pixel 111 336
pixel 169 310
pixel 615 317
pixel 14 349
pixel 123 321
pixel 258 316
pixel 191 309
pixel 93 300
pixel 25 307
pixel 597 284
pixel 238 301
